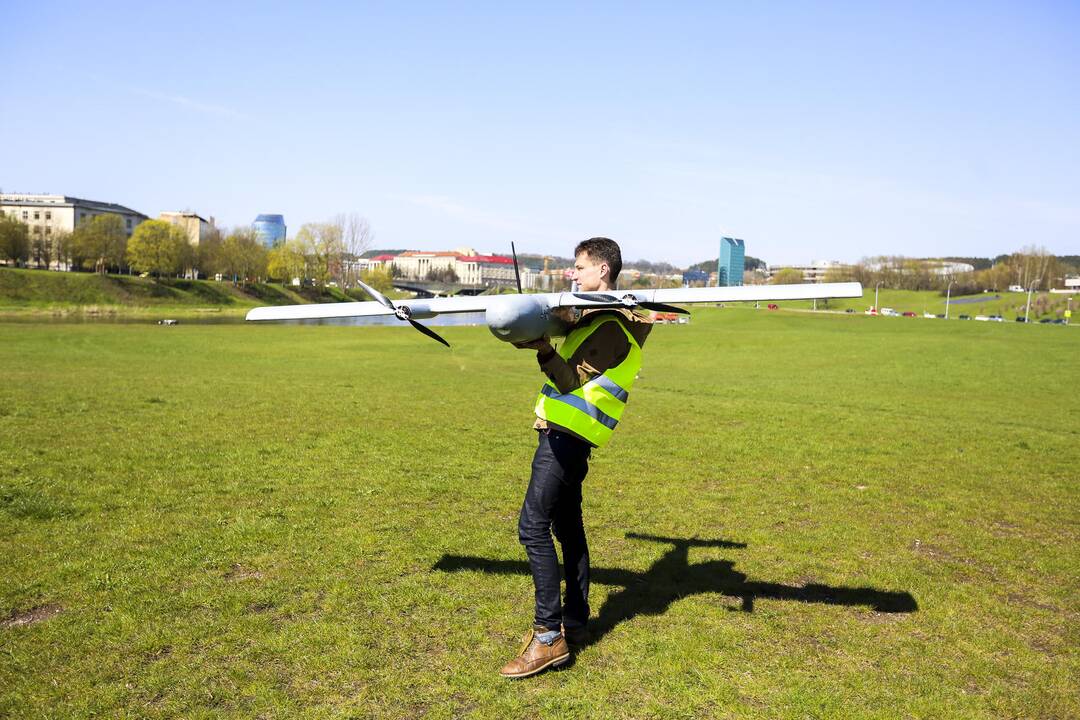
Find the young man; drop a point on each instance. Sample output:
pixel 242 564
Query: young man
pixel 588 381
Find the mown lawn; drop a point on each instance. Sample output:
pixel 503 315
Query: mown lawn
pixel 800 516
pixel 42 293
pixel 1009 305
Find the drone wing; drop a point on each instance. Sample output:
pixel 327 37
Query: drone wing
pixel 412 308
pixel 659 299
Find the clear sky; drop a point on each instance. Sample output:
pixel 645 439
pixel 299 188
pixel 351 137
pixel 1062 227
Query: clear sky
pixel 811 130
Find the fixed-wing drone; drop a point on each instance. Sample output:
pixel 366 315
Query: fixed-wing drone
pixel 526 317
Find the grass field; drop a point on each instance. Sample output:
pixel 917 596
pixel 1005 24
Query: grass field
pixel 800 516
pixel 1009 305
pixel 43 293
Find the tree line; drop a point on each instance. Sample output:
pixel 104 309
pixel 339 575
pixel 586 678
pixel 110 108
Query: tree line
pixel 320 252
pixel 1031 267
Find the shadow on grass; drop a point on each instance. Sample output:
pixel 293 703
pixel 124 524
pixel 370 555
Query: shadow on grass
pixel 673 577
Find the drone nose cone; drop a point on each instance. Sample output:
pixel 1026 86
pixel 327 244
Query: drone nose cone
pixel 516 318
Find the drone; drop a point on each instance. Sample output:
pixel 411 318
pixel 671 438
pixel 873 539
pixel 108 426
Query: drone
pixel 528 316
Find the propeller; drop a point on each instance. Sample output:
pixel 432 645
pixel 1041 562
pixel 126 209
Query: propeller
pixel 402 312
pixel 517 273
pixel 629 301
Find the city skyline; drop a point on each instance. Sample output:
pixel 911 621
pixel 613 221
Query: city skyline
pixel 834 132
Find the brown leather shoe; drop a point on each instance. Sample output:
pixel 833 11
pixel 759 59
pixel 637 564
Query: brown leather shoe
pixel 576 637
pixel 536 656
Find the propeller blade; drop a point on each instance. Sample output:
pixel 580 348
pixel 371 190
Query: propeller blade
pixel 382 299
pixel 661 307
pixel 428 331
pixel 596 297
pixel 517 273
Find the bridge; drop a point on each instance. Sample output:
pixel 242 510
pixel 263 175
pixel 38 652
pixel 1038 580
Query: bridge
pixel 434 288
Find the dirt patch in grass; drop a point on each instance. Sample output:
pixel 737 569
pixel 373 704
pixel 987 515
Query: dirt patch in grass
pixel 239 572
pixel 31 616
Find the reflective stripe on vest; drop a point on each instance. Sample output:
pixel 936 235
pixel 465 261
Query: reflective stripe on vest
pixel 593 410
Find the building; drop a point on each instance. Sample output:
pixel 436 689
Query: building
pixel 269 229
pixel 695 278
pixel 491 270
pixel 462 265
pixel 48 214
pixel 942 268
pixel 52 215
pixel 732 262
pixel 420 265
pixel 195 227
pixel 815 272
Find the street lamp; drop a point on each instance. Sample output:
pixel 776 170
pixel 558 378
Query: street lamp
pixel 948 296
pixel 1028 308
pixel 877 310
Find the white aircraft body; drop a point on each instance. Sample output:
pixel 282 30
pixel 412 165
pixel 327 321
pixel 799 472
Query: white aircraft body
pixel 525 317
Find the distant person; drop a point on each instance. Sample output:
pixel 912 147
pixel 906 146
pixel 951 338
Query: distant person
pixel 589 377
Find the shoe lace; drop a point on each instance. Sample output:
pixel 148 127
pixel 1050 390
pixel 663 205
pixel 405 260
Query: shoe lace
pixel 527 642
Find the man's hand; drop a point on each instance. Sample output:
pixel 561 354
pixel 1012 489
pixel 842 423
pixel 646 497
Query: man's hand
pixel 541 345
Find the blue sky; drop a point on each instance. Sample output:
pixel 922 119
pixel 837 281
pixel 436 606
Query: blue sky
pixel 812 130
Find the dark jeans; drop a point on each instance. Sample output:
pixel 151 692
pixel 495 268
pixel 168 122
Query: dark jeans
pixel 553 503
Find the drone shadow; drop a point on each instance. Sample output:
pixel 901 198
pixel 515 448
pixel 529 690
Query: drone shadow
pixel 672 577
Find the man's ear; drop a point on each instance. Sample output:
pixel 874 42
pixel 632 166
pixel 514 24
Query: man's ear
pixel 605 272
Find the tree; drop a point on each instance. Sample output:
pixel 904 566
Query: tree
pixel 102 240
pixel 157 247
pixel 356 239
pixel 379 278
pixel 787 276
pixel 839 273
pixel 243 257
pixel 323 248
pixel 1033 266
pixel 41 249
pixel 286 261
pixel 62 247
pixel 208 253
pixel 14 239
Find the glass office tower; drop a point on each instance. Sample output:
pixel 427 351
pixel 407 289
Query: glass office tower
pixel 732 262
pixel 270 229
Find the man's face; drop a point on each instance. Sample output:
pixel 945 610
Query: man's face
pixel 588 272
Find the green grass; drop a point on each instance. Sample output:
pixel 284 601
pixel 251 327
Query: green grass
pixel 38 293
pixel 1007 304
pixel 270 521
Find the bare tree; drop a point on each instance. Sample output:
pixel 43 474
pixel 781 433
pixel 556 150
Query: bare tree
pixel 357 236
pixel 1032 266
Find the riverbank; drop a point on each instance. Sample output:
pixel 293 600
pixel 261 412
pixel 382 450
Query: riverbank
pixel 42 294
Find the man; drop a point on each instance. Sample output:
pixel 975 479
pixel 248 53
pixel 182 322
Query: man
pixel 588 380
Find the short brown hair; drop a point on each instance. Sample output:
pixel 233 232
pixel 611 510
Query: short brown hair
pixel 602 249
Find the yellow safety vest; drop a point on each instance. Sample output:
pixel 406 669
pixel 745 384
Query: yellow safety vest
pixel 593 410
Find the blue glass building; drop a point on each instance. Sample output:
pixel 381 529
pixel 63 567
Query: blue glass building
pixel 732 262
pixel 269 229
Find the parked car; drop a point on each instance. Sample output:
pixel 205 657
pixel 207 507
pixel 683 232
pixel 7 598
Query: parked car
pixel 773 306
pixel 850 310
pixel 965 317
pixel 982 318
pixel 940 315
pixel 996 318
pixel 909 314
pixel 889 312
pixel 1045 321
pixel 1021 319
pixel 930 315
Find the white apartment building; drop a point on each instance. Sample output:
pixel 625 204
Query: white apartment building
pixel 61 213
pixel 815 272
pixel 50 215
